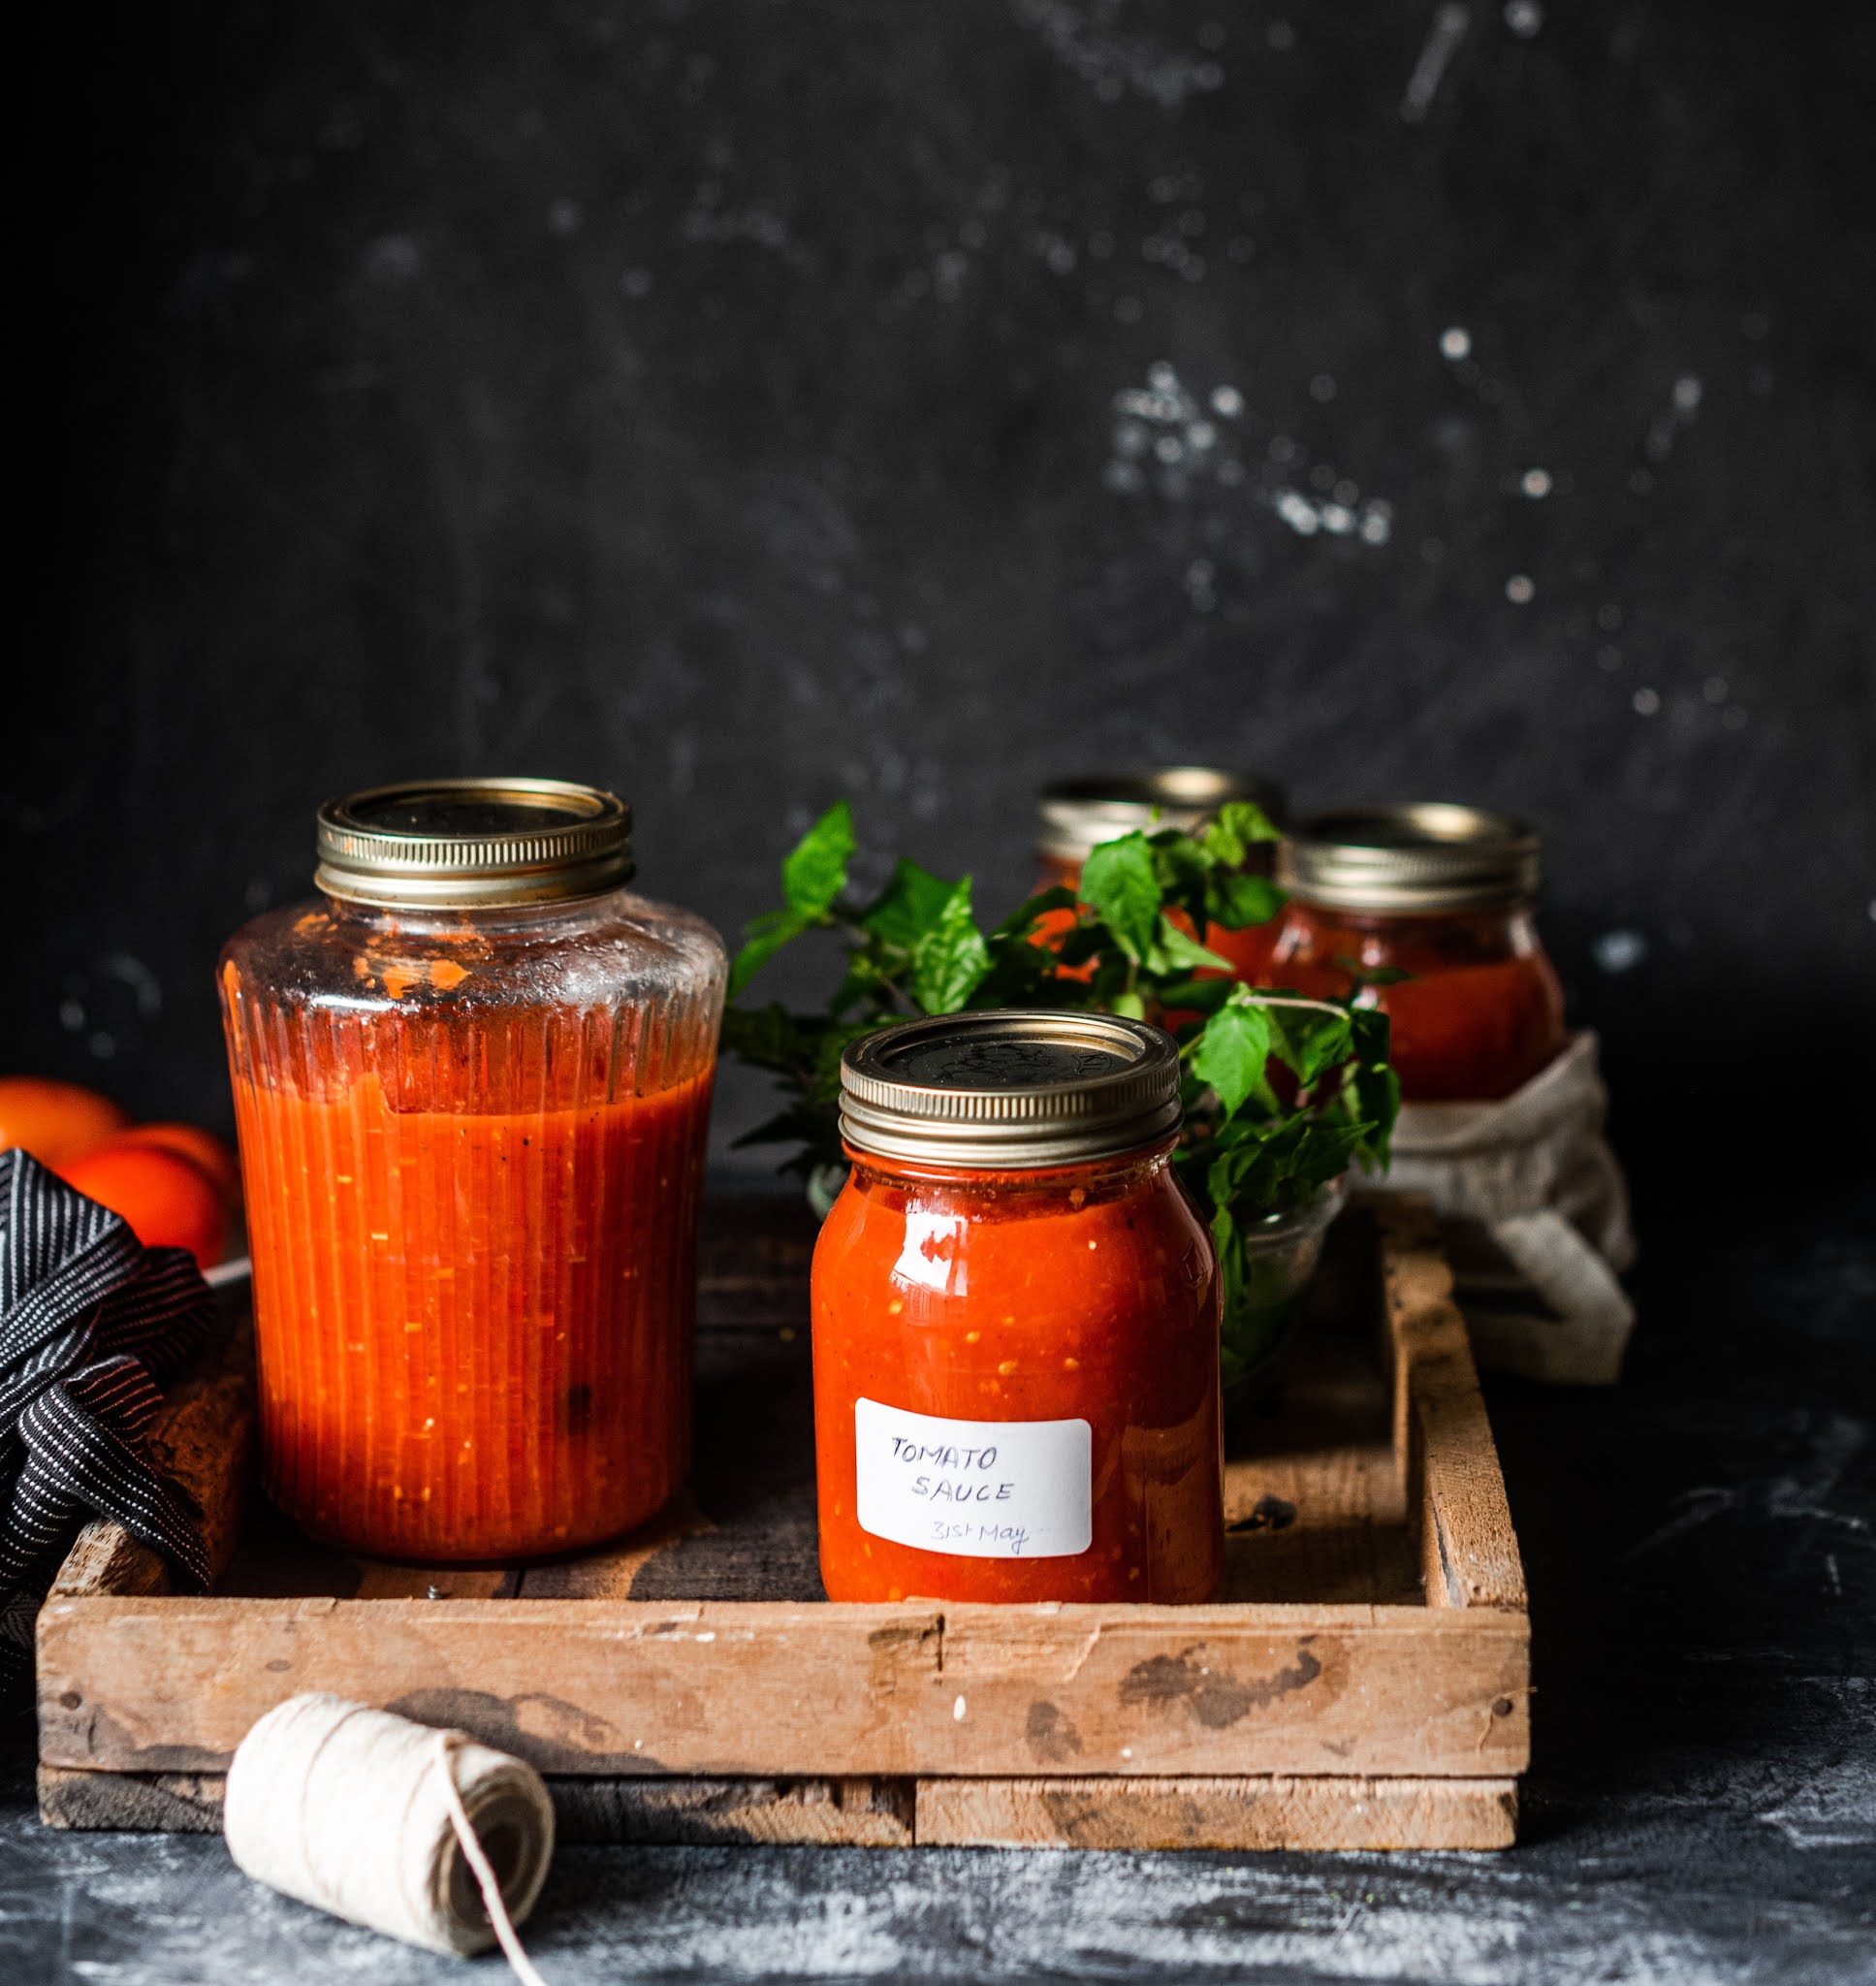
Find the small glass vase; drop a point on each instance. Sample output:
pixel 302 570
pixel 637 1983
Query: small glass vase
pixel 1281 1252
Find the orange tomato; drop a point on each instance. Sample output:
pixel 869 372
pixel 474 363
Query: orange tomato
pixel 54 1121
pixel 202 1148
pixel 169 1201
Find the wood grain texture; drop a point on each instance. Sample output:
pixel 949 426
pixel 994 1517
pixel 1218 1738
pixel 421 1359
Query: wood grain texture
pixel 851 1814
pixel 793 1812
pixel 755 1690
pixel 201 1439
pixel 1087 1812
pixel 1252 1814
pixel 1469 1549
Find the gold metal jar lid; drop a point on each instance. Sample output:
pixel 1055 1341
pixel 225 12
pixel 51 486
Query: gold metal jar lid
pixel 1011 1089
pixel 1430 857
pixel 473 844
pixel 1077 814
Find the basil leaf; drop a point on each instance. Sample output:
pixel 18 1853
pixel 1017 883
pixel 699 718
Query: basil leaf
pixel 814 873
pixel 1309 1041
pixel 1020 975
pixel 910 905
pixel 1229 1244
pixel 1323 1152
pixel 763 936
pixel 1235 827
pixel 1378 1100
pixel 1236 900
pixel 951 959
pixel 1183 869
pixel 1120 886
pixel 1174 949
pixel 1231 1054
pixel 1202 996
pixel 1020 921
pixel 1130 1006
pixel 766 1036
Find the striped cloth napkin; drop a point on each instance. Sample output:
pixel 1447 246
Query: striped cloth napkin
pixel 92 1325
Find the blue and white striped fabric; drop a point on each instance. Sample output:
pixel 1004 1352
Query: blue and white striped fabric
pixel 92 1325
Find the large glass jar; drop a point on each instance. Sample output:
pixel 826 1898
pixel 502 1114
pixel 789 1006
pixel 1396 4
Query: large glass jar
pixel 1074 816
pixel 1443 895
pixel 472 1085
pixel 1016 1322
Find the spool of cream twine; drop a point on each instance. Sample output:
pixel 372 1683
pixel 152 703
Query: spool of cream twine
pixel 423 1834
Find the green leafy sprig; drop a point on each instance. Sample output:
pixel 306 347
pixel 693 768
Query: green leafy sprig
pixel 1282 1093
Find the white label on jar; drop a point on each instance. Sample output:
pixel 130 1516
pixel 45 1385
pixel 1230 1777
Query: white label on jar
pixel 976 1489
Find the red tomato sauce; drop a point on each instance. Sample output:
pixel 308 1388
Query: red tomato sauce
pixel 473 1326
pixel 1482 1015
pixel 1085 1292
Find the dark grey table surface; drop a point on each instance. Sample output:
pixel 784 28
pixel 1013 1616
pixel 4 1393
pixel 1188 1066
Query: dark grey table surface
pixel 1701 1551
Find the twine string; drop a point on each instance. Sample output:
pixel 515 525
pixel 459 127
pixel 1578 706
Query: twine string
pixel 483 1870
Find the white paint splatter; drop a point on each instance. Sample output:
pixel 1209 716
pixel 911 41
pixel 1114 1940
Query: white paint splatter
pixel 1448 29
pixel 1114 65
pixel 1619 951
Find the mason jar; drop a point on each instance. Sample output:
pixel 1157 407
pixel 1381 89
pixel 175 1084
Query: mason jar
pixel 472 1084
pixel 1016 1320
pixel 1443 895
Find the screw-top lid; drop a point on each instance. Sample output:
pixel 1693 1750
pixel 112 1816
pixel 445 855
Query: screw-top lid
pixel 1010 1089
pixel 1429 857
pixel 1077 814
pixel 473 844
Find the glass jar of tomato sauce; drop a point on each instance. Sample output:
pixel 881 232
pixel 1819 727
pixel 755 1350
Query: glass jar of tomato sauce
pixel 1016 1322
pixel 1443 894
pixel 1074 816
pixel 472 1085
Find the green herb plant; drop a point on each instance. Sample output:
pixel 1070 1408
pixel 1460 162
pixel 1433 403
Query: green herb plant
pixel 1282 1093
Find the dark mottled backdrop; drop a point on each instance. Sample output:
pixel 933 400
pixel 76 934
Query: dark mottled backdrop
pixel 745 405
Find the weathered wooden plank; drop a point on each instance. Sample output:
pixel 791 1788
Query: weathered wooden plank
pixel 1318 1712
pixel 1315 1505
pixel 790 1812
pixel 202 1438
pixel 849 1813
pixel 1188 1812
pixel 1469 1549
pixel 607 1572
pixel 131 1802
pixel 1255 1814
pixel 756 1689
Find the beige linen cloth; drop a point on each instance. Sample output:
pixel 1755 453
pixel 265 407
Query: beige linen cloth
pixel 1536 1216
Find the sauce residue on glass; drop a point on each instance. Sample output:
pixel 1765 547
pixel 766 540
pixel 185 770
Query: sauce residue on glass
pixel 473 1233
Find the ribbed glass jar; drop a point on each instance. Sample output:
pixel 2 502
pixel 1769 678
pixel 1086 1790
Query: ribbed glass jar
pixel 473 1146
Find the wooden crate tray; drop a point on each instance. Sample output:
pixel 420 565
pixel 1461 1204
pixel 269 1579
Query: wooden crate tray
pixel 1361 1681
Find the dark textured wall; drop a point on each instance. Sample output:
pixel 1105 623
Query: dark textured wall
pixel 726 403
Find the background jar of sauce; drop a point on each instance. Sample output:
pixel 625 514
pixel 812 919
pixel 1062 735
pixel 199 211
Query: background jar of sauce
pixel 1015 1322
pixel 1444 894
pixel 1077 814
pixel 472 1085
